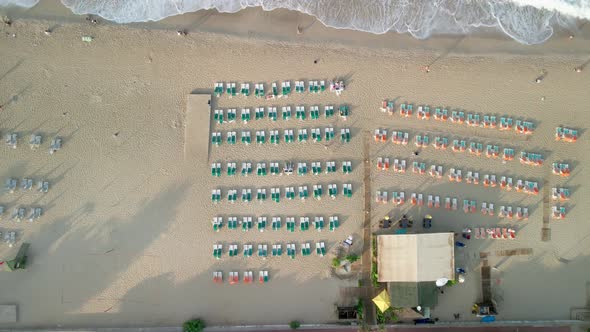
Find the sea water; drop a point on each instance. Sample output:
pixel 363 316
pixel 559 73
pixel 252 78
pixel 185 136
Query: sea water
pixel 526 21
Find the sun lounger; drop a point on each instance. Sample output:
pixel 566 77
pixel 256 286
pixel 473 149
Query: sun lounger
pixel 316 167
pixel 215 138
pixel 43 186
pixel 473 120
pixel 232 195
pixel 299 86
pixel 328 111
pixel 231 137
pixel 318 223
pixel 314 112
pixel 300 113
pixel 313 86
pixel 232 223
pixel 261 224
pixel 305 249
pixel 218 90
pixel 347 166
pixel 343 112
pixel 290 224
pixel 329 133
pixel 35 214
pixel 302 135
pixel 524 127
pixel 277 250
pixel 317 191
pixel 231 89
pixel 303 192
pixel 246 195
pixel 218 275
pixel 345 135
pixel 216 195
pixel 288 135
pixel 334 223
pixel 475 148
pixel 259 90
pixel 316 135
pixel 262 250
pixel 301 169
pixel 508 154
pixel 275 91
pixel 274 136
pixel 562 169
pixel 231 115
pixel 248 277
pixel 430 202
pixel 492 151
pixel 272 113
pixel 320 248
pixel 531 187
pixel 291 249
pixel 261 195
pixel 275 194
pixel 245 137
pixel 217 251
pixel 466 206
pixel 286 112
pixel 218 116
pixel 398 198
pixel 454 204
pixel 558 212
pixel 233 250
pixel 505 123
pixel 304 223
pixel 406 110
pixel 332 190
pixel 261 169
pixel 347 190
pixel 566 134
pixel 260 137
pixel 217 223
pixel 330 167
pixel 286 88
pixel 290 193
pixel 246 169
pixel 234 278
pixel 56 144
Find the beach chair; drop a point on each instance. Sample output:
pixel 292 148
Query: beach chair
pixel 299 86
pixel 218 90
pixel 303 192
pixel 304 223
pixel 232 195
pixel 277 250
pixel 302 135
pixel 260 137
pixel 328 111
pixel 218 116
pixel 301 169
pixel 290 224
pixel 423 113
pixel 261 195
pixel 347 166
pixel 275 194
pixel 261 169
pixel 215 195
pixel 259 113
pixel 286 88
pixel 232 223
pixel 318 223
pixel 316 135
pixel 286 112
pixel 290 193
pixel 217 251
pixel 505 123
pixel 248 250
pixel 217 223
pixel 331 167
pixel 344 112
pixel 246 169
pixel 347 190
pixel 345 135
pixel 246 223
pixel 245 89
pixel 262 251
pixel 231 137
pixel 288 135
pixel 531 187
pixel 231 115
pixel 231 89
pixel 317 191
pixel 334 223
pixel 246 195
pixel 430 201
pixel 314 112
pixel 300 113
pixel 291 249
pixel 316 167
pixel 328 133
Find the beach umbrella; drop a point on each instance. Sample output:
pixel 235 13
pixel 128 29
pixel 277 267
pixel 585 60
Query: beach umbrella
pixel 382 301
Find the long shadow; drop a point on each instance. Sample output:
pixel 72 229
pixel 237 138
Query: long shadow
pixel 13 68
pixel 447 51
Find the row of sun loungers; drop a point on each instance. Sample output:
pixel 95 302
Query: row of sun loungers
pixel 20 213
pixel 221 116
pixel 231 88
pixel 317 167
pixel 262 250
pixel 9 237
pixel 274 137
pixel 566 134
pixel 247 277
pixel 26 184
pixel 561 169
pixel 560 194
pixel 532 159
pixel 276 224
pixel 460 117
pixel 34 142
pixel 289 193
pixel 495 233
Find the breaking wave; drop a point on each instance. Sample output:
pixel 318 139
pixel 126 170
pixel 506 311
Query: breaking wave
pixel 526 21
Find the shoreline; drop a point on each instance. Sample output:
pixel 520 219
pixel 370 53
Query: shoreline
pixel 281 26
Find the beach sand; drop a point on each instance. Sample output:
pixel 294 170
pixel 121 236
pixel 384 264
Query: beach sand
pixel 126 236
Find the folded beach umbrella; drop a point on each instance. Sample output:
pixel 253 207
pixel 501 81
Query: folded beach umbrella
pixel 382 301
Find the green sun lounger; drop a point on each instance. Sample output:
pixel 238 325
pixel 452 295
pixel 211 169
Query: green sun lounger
pixel 218 91
pixel 274 168
pixel 247 250
pixel 316 167
pixel 277 250
pixel 245 114
pixel 233 250
pixel 299 86
pixel 272 113
pixel 232 223
pixel 318 223
pixel 316 134
pixel 232 195
pixel 276 223
pixel 305 249
pixel 275 195
pixel 317 191
pixel 261 224
pixel 274 137
pixel 347 167
pixel 217 223
pixel 290 193
pixel 262 250
pixel 330 167
pixel 291 250
pixel 231 115
pixel 328 111
pixel 345 135
pixel 260 137
pixel 246 195
pixel 286 112
pixel 216 195
pixel 263 277
pixel 321 249
pixel 259 90
pixel 290 224
pixel 304 223
pixel 261 169
pixel 302 135
pixel 275 90
pixel 245 89
pixel 322 86
pixel 347 190
pixel 313 86
pixel 302 169
pixel 216 169
pixel 259 113
pixel 303 192
pixel 231 137
pixel 216 138
pixel 246 169
pixel 217 251
pixel 289 136
pixel 344 111
pixel 334 223
pixel 231 89
pixel 332 190
pixel 246 223
pixel 261 195
pixel 218 116
pixel 286 88
pixel 314 112
pixel 300 113
pixel 246 138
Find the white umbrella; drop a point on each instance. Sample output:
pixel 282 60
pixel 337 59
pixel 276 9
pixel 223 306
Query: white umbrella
pixel 441 282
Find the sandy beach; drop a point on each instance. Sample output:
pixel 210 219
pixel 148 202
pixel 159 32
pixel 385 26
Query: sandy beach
pixel 126 237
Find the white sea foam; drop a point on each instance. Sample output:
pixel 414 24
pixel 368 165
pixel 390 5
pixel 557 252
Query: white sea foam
pixel 527 21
